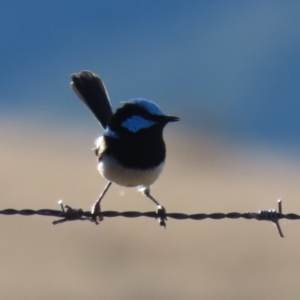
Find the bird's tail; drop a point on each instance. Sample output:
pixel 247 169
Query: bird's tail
pixel 91 90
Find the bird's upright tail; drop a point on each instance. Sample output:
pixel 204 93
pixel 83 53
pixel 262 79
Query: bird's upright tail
pixel 91 90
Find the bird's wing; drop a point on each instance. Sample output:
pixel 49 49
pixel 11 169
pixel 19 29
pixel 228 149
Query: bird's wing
pixel 91 90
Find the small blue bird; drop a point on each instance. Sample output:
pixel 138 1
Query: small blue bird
pixel 131 152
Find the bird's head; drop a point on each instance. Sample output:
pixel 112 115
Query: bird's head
pixel 137 116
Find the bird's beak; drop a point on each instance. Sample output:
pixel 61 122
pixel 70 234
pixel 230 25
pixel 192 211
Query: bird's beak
pixel 171 119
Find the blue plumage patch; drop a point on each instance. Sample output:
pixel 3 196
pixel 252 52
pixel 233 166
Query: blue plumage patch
pixel 136 123
pixel 149 106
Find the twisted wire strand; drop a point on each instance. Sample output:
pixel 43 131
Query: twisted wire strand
pixel 151 214
pixel 70 214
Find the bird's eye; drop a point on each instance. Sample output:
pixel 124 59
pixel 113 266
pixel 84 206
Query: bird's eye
pixel 110 133
pixel 136 123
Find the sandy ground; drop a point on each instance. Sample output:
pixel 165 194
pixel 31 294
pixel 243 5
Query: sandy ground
pixel 135 258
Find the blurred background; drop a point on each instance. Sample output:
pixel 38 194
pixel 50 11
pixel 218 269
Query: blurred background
pixel 230 70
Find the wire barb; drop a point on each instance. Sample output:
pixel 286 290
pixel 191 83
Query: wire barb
pixel 273 216
pixel 69 214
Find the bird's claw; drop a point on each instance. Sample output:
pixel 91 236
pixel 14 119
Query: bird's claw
pixel 97 216
pixel 161 216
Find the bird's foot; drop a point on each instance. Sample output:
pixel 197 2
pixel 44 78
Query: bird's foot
pixel 97 216
pixel 162 216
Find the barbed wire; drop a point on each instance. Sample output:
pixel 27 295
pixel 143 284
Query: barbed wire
pixel 67 213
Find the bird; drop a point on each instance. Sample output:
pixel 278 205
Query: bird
pixel 131 151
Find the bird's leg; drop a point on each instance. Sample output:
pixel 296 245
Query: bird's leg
pixel 96 209
pixel 161 211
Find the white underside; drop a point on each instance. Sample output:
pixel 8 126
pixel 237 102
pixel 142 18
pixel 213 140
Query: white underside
pixel 112 171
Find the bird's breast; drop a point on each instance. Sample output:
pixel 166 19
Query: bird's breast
pixel 110 168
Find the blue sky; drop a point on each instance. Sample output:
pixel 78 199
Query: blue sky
pixel 231 66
